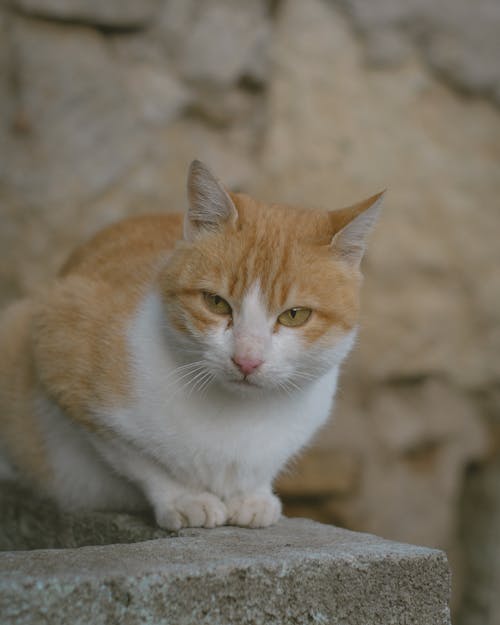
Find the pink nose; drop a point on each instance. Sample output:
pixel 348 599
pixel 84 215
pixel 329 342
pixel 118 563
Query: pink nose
pixel 247 365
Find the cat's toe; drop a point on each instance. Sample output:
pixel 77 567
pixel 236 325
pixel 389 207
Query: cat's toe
pixel 169 519
pixel 254 511
pixel 203 510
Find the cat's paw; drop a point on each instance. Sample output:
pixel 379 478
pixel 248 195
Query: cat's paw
pixel 203 510
pixel 254 510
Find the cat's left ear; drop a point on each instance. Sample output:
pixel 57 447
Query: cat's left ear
pixel 356 223
pixel 210 205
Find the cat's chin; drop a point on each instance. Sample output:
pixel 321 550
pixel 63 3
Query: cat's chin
pixel 248 388
pixel 243 387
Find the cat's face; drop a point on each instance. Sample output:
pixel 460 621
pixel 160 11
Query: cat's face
pixel 260 300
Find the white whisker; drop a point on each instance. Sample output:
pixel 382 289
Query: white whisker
pixel 305 376
pixel 284 388
pixel 293 385
pixel 188 377
pixel 195 381
pixel 202 383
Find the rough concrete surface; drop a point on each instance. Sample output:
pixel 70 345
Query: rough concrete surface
pixel 30 522
pixel 296 572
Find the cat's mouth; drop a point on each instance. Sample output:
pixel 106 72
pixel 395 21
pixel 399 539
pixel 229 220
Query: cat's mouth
pixel 244 382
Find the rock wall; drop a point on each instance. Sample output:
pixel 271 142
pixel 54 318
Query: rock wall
pixel 102 107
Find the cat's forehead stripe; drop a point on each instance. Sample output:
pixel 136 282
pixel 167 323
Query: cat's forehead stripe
pixel 262 256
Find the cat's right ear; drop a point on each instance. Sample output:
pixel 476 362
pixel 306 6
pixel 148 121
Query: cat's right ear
pixel 210 205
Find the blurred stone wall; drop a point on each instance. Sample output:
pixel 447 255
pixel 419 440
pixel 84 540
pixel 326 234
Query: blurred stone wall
pixel 102 107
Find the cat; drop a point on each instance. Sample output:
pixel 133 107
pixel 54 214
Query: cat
pixel 177 363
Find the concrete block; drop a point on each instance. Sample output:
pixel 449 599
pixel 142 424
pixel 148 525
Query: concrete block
pixel 297 572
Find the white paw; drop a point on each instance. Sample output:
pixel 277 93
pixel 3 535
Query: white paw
pixel 203 510
pixel 254 511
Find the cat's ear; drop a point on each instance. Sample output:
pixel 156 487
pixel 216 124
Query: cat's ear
pixel 357 221
pixel 210 205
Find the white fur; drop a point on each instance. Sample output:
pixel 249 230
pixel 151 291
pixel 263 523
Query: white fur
pixel 80 478
pixel 202 443
pixel 207 457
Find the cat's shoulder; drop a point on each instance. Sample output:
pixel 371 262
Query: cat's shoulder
pixel 97 291
pixel 130 243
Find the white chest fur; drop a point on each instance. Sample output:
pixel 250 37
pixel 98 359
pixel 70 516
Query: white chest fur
pixel 214 441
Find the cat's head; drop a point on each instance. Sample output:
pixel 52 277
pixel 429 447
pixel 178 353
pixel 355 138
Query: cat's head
pixel 263 297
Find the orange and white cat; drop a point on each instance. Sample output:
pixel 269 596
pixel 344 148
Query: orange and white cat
pixel 180 362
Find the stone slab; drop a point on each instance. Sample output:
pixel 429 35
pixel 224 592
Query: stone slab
pixel 296 572
pixel 31 522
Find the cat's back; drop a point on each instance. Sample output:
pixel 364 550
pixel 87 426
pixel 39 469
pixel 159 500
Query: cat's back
pixel 130 249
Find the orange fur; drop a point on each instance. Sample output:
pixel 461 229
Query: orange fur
pixel 69 342
pixel 19 430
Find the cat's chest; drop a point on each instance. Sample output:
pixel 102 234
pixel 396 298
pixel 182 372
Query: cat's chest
pixel 225 444
pixel 211 438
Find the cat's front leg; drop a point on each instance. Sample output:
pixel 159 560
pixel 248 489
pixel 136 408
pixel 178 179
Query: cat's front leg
pixel 175 505
pixel 257 509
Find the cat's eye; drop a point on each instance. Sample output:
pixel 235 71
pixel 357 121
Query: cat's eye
pixel 217 304
pixel 294 317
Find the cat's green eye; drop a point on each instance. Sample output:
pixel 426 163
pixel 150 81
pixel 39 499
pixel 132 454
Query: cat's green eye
pixel 217 304
pixel 294 317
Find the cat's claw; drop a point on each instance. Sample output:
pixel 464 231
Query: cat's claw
pixel 254 511
pixel 203 510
